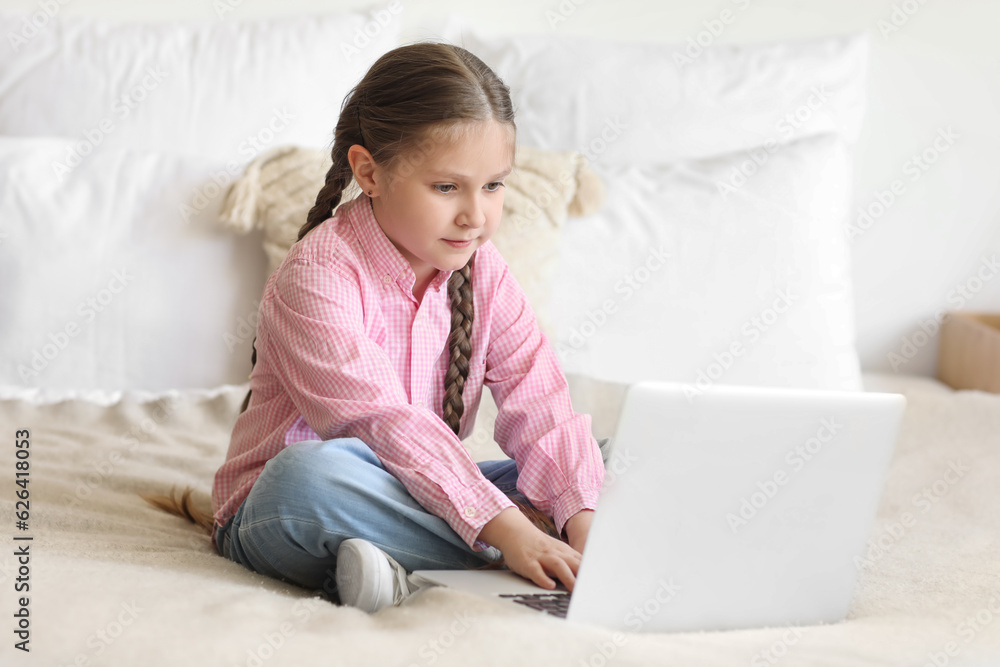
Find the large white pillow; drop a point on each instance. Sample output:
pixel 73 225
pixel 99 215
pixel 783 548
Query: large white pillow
pixel 676 270
pixel 644 103
pixel 119 277
pixel 734 162
pixel 222 88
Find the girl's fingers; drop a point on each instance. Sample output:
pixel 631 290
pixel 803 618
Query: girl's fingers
pixel 539 577
pixel 562 570
pixel 574 564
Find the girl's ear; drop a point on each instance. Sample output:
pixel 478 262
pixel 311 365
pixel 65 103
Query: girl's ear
pixel 363 166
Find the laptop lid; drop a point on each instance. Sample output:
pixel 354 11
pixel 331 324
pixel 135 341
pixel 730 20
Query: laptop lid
pixel 734 507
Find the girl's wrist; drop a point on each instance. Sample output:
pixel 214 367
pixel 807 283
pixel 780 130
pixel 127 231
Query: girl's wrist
pixel 576 521
pixel 505 525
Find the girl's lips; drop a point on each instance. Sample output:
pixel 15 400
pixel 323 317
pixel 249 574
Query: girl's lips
pixel 457 244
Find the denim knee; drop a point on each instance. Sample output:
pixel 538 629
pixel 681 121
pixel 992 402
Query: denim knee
pixel 314 494
pixel 299 510
pixel 316 470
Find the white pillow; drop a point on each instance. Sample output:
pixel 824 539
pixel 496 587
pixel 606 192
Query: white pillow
pixel 644 103
pixel 671 274
pixel 226 89
pixel 735 161
pixel 119 277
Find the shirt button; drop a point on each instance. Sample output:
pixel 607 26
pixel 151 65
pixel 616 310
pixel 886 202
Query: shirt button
pixel 387 279
pixel 470 511
pixel 420 404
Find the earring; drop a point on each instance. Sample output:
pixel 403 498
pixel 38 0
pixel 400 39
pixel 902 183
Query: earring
pixel 369 193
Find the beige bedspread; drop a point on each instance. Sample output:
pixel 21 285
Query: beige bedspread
pixel 115 582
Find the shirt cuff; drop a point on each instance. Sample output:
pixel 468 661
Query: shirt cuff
pixel 572 500
pixel 475 510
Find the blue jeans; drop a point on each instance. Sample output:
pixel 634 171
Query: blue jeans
pixel 314 494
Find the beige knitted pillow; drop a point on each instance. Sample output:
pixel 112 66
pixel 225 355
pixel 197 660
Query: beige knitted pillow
pixel 278 188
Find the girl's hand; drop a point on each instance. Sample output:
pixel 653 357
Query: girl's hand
pixel 577 528
pixel 530 552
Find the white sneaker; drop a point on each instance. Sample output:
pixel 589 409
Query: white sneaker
pixel 370 579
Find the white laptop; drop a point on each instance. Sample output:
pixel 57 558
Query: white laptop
pixel 728 507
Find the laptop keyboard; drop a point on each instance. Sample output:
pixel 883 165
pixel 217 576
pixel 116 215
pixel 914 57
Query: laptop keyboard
pixel 551 603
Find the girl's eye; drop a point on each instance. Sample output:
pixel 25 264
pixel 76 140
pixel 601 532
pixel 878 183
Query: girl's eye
pixel 445 188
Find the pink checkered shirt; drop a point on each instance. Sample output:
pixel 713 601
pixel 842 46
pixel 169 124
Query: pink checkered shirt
pixel 345 350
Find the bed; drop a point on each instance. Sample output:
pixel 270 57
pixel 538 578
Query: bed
pixel 698 236
pixel 115 582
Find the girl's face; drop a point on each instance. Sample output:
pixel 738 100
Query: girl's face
pixel 449 190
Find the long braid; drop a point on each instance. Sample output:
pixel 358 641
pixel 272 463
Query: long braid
pixel 460 350
pixel 459 344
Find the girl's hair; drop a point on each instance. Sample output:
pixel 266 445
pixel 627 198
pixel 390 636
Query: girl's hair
pixel 413 100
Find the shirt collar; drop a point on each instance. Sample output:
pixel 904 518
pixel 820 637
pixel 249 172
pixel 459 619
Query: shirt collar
pixel 389 264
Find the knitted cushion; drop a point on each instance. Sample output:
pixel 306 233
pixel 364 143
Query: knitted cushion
pixel 278 188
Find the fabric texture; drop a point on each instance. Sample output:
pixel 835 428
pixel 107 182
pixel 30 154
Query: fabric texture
pixel 100 553
pixel 345 350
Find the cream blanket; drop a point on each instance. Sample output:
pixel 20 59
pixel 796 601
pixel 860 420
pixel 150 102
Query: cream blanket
pixel 116 582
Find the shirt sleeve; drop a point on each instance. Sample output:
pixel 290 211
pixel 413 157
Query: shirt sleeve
pixel 344 385
pixel 559 463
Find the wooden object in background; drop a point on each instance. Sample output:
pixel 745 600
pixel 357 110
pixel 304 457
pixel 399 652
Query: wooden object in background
pixel 969 352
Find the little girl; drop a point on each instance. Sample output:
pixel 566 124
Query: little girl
pixel 381 326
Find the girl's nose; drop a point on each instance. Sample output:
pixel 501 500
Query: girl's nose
pixel 473 213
